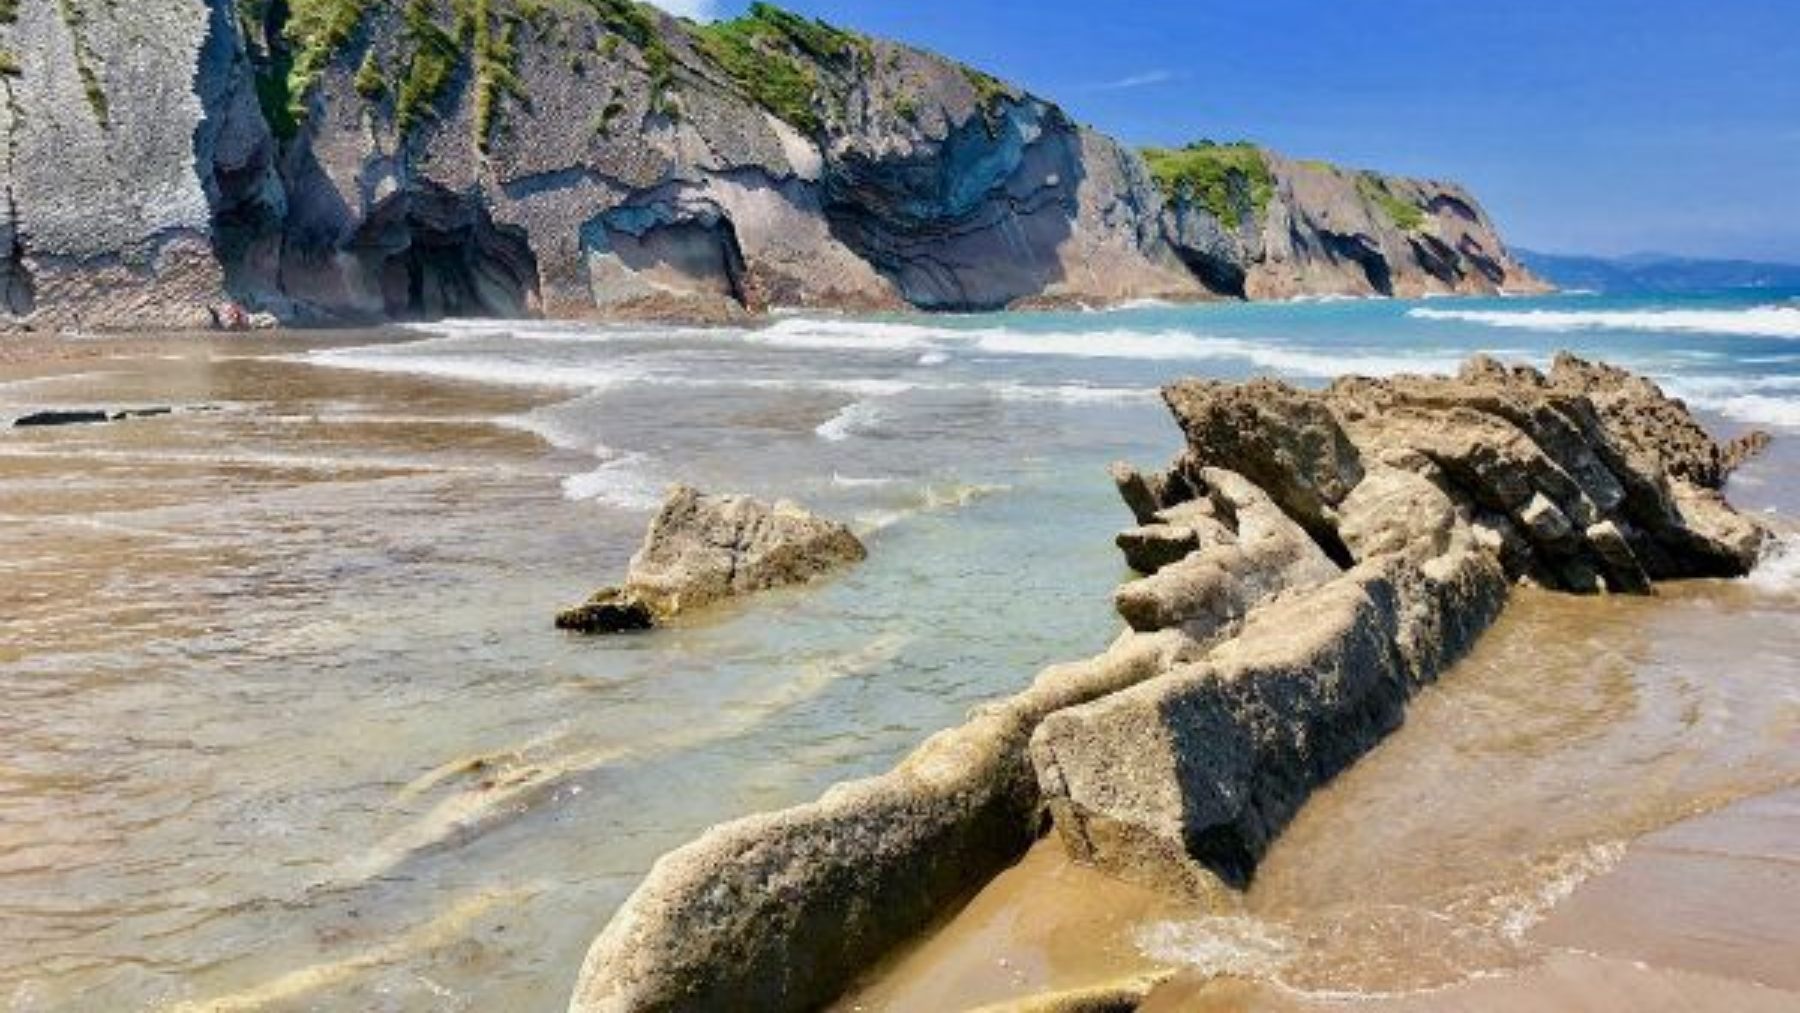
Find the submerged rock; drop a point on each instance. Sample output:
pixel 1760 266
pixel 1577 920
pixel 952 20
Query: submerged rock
pixel 86 416
pixel 703 549
pixel 610 610
pixel 69 417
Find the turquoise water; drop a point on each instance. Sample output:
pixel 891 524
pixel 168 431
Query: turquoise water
pixel 276 628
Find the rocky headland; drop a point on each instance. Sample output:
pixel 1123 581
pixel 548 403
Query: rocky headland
pixel 1310 561
pixel 178 163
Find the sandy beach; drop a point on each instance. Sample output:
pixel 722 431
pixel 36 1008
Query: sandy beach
pixel 334 539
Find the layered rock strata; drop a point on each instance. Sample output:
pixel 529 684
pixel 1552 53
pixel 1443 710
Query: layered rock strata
pixel 701 550
pixel 329 161
pixel 1310 561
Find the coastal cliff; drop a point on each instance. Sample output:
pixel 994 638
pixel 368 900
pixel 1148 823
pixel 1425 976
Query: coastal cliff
pixel 334 161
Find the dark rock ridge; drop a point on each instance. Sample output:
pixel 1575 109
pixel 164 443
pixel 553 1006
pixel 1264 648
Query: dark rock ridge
pixel 1309 562
pixel 704 549
pixel 341 161
pixel 89 416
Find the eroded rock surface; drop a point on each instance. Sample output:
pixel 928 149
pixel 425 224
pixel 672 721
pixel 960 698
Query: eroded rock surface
pixel 1436 493
pixel 703 549
pixel 1311 560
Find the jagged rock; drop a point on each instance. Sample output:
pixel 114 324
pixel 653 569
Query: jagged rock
pixel 1220 582
pixel 1533 461
pixel 702 549
pixel 1174 533
pixel 1150 547
pixel 1182 781
pixel 1178 755
pixel 1745 448
pixel 1147 495
pixel 1285 440
pixel 610 610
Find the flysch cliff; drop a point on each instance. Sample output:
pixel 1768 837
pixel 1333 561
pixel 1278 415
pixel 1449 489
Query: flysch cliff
pixel 339 161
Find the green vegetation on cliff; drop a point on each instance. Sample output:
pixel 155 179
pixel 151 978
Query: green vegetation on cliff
pixel 1374 189
pixel 774 55
pixel 1227 180
pixel 435 54
pixel 495 57
pixel 76 19
pixel 314 32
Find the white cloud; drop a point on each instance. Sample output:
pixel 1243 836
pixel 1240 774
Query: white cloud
pixel 1142 80
pixel 699 10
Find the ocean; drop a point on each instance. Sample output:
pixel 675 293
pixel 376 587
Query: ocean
pixel 287 721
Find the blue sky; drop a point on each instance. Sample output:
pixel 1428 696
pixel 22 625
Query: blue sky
pixel 1584 125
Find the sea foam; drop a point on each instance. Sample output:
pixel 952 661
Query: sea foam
pixel 1778 572
pixel 1167 345
pixel 855 417
pixel 1755 321
pixel 622 480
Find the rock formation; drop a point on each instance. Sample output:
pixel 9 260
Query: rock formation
pixel 1310 561
pixel 704 549
pixel 338 161
pixel 1252 223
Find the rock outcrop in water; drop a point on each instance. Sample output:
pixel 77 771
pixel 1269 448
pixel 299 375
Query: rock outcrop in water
pixel 338 161
pixel 704 549
pixel 1311 560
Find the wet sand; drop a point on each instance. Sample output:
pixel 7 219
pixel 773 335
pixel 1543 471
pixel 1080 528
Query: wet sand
pixel 1700 916
pixel 1593 811
pixel 253 648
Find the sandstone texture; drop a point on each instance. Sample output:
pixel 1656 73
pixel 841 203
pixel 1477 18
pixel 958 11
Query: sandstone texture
pixel 703 549
pixel 333 161
pixel 1310 561
pixel 782 911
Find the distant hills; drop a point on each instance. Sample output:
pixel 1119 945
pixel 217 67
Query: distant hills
pixel 1656 272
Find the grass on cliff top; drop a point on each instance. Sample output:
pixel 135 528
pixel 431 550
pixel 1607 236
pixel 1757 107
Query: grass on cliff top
pixel 9 11
pixel 1226 179
pixel 1409 217
pixel 774 57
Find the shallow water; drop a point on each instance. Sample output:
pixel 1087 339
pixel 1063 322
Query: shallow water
pixel 287 725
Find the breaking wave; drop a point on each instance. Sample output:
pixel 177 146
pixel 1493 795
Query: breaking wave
pixel 855 417
pixel 1754 322
pixel 1165 345
pixel 622 480
pixel 480 368
pixel 1757 400
pixel 1778 572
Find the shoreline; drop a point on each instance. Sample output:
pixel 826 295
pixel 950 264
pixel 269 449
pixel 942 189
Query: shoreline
pixel 752 318
pixel 1311 563
pixel 347 382
pixel 1048 931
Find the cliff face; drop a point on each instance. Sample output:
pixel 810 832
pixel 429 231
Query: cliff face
pixel 337 161
pixel 1251 223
